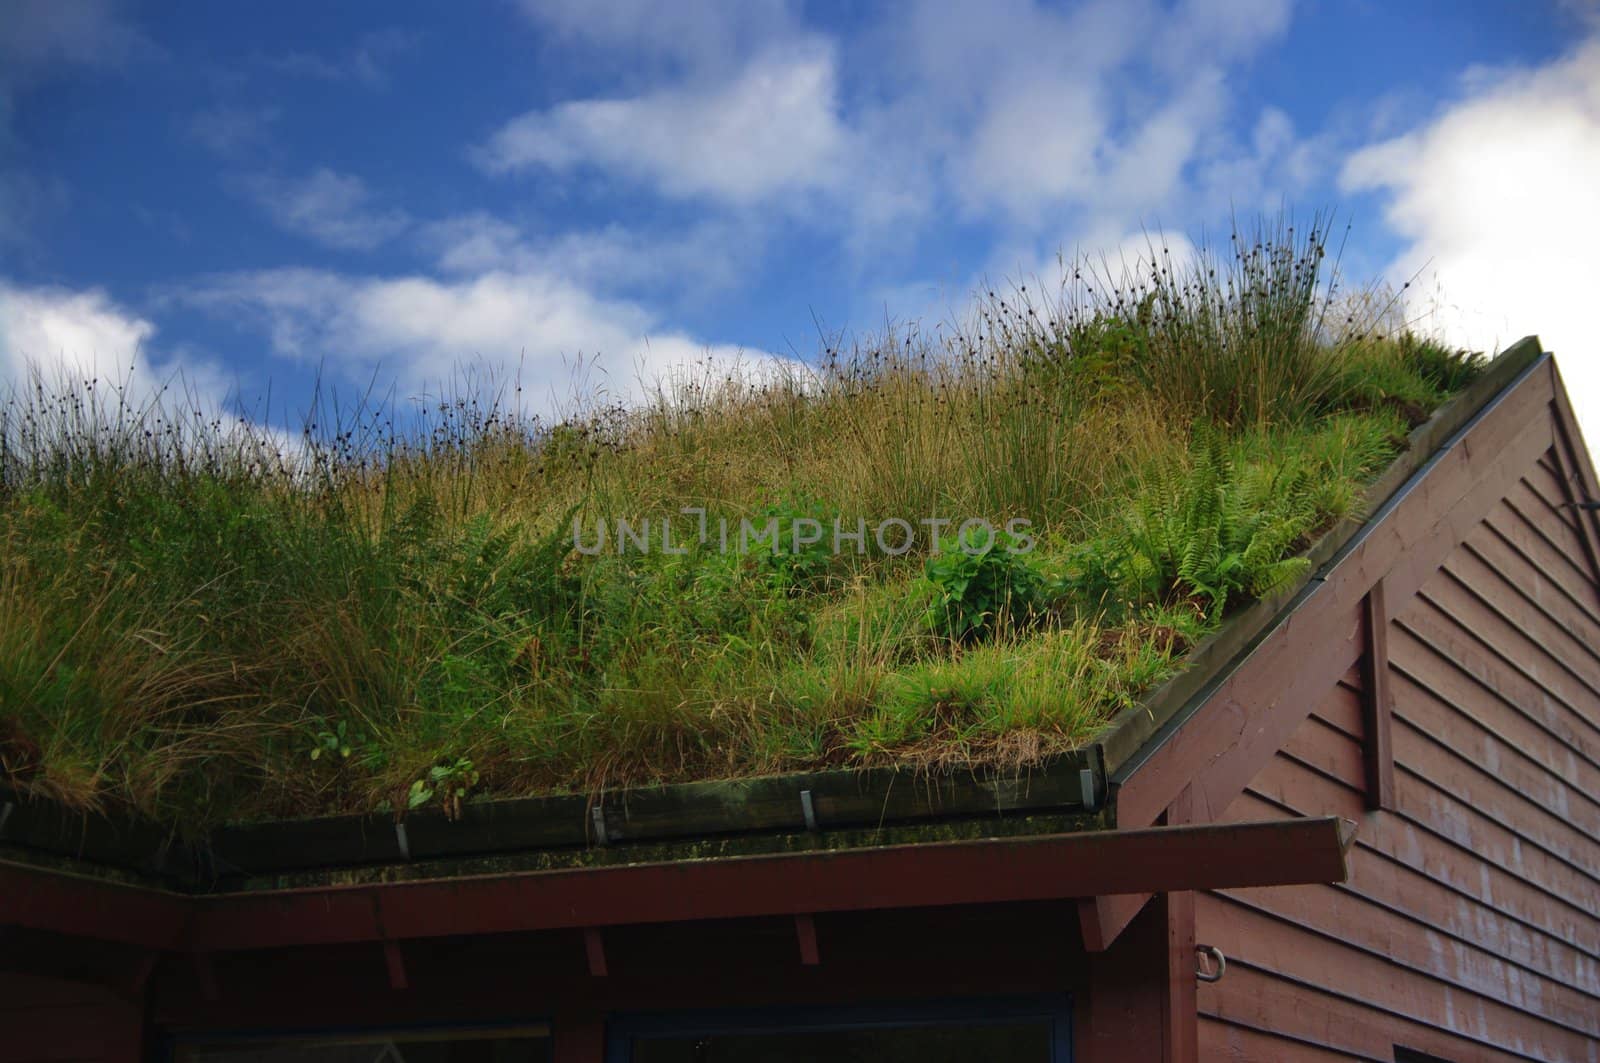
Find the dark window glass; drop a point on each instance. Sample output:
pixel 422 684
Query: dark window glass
pixel 1021 1042
pixel 433 1047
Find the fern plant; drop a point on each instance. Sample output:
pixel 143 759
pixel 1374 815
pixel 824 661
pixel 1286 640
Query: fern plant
pixel 1212 531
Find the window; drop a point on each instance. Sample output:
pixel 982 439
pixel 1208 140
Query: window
pixel 528 1044
pixel 1411 1055
pixel 960 1032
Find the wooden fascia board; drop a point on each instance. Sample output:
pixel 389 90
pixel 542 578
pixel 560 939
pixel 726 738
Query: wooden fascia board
pixel 988 871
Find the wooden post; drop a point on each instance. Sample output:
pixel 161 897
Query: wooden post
pixel 578 1037
pixel 1139 1006
pixel 805 929
pixel 1140 1002
pixel 1376 702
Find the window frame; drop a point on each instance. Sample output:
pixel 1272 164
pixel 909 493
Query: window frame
pixel 623 1032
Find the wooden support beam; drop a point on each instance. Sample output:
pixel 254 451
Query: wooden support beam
pixel 1376 701
pixel 1101 919
pixel 395 961
pixel 594 951
pixel 805 929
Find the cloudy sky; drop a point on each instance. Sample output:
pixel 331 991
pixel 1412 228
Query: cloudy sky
pixel 258 194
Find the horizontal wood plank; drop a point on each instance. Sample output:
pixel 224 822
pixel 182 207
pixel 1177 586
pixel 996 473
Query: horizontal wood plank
pixel 1223 1040
pixel 1428 718
pixel 1258 999
pixel 1387 883
pixel 1262 942
pixel 1293 787
pixel 1513 688
pixel 1329 914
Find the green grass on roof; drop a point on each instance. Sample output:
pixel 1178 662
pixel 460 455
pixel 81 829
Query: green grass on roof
pixel 199 624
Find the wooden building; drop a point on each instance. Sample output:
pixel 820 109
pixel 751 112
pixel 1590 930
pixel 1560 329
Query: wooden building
pixel 1371 806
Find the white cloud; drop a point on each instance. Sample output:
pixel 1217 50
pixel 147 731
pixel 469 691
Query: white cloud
pixel 331 208
pixel 45 34
pixel 696 261
pixel 85 344
pixel 774 128
pixel 231 131
pixel 698 33
pixel 420 330
pixel 79 333
pixel 367 62
pixel 71 336
pixel 1496 198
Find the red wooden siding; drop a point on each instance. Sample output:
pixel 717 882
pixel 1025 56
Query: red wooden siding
pixel 1469 928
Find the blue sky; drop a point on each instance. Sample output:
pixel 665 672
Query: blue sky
pixel 254 193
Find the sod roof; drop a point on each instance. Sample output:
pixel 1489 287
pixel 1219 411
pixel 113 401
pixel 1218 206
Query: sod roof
pixel 409 614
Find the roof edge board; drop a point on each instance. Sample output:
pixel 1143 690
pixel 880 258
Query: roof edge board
pixel 1040 868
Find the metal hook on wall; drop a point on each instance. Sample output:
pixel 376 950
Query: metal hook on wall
pixel 1218 966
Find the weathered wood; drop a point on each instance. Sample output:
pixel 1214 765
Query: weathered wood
pixel 1130 1010
pixel 1292 788
pixel 1411 942
pixel 1387 882
pixel 1180 1016
pixel 1533 583
pixel 1102 918
pixel 1440 766
pixel 1337 970
pixel 594 952
pixel 1342 710
pixel 1430 718
pixel 805 931
pixel 107 910
pixel 1485 833
pixel 1512 644
pixel 394 962
pixel 1262 1000
pixel 1545 494
pixel 1329 752
pixel 1222 1040
pixel 1511 526
pixel 1490 591
pixel 1512 689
